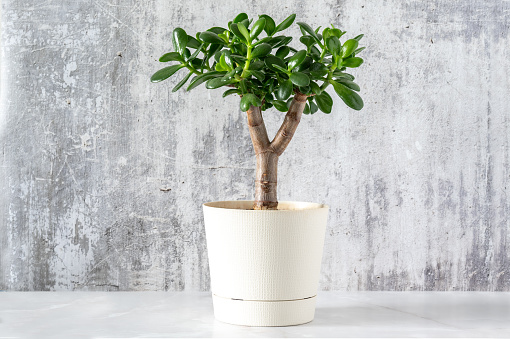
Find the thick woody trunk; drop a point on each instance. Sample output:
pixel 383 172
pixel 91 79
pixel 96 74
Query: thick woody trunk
pixel 267 153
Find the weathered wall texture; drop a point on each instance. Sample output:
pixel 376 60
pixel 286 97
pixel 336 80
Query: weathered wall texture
pixel 418 182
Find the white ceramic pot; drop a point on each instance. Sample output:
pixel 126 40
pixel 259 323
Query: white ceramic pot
pixel 264 265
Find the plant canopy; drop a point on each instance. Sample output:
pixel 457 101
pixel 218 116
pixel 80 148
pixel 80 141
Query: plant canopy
pixel 266 71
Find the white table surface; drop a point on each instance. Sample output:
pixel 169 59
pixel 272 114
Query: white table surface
pixel 190 314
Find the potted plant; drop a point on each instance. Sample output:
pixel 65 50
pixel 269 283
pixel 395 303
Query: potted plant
pixel 265 255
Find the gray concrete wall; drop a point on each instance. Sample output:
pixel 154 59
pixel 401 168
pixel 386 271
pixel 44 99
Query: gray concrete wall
pixel 418 181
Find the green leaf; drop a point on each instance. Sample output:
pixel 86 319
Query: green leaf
pixel 300 79
pixel 358 37
pixel 270 26
pixel 277 40
pixel 286 23
pixel 349 84
pixel 257 28
pixel 324 102
pixel 304 65
pixel 358 50
pixel 310 31
pixel 352 62
pixel 192 42
pixel 235 29
pixel 257 74
pixel 172 56
pixel 216 83
pixel 281 69
pixel 240 17
pixel 283 42
pixel 282 52
pixel 165 73
pixel 351 99
pixel 316 89
pixel 182 82
pixel 211 38
pixel 249 99
pixel 280 105
pixel 349 47
pixel 306 110
pixel 307 40
pixel 195 54
pixel 313 107
pixel 213 49
pixel 231 91
pixel 202 78
pixel 296 59
pixel 285 90
pixel 180 39
pixel 261 50
pixel 217 30
pixel 256 65
pixel 271 61
pixel 244 32
pixel 333 45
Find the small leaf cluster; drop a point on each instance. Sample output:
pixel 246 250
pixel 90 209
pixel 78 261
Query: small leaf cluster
pixel 266 71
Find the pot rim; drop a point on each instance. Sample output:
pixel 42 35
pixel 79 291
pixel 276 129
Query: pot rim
pixel 245 205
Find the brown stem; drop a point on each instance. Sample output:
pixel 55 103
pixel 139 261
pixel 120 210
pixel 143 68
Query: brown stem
pixel 290 123
pixel 267 153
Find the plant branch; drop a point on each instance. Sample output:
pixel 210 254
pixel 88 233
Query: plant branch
pixel 258 131
pixel 290 124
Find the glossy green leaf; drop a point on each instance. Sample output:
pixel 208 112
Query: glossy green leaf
pixel 300 79
pixel 240 17
pixel 296 59
pixel 182 82
pixel 349 84
pixel 310 31
pixel 256 65
pixel 217 30
pixel 216 83
pixel 307 40
pixel 285 90
pixel 282 52
pixel 235 29
pixel 261 50
pixel 352 62
pixel 306 110
pixel 349 47
pixel 165 73
pixel 316 89
pixel 180 40
pixel 280 105
pixel 213 48
pixel 358 51
pixel 277 40
pixel 231 91
pixel 270 61
pixel 195 54
pixel 244 32
pixel 192 42
pixel 249 99
pixel 304 65
pixel 202 78
pixel 172 56
pixel 358 37
pixel 270 26
pixel 324 102
pixel 257 28
pixel 280 69
pixel 211 38
pixel 283 42
pixel 286 23
pixel 349 97
pixel 313 107
pixel 333 45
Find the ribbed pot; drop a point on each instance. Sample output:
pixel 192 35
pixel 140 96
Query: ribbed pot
pixel 264 264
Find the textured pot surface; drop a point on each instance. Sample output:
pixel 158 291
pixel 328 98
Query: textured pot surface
pixel 264 264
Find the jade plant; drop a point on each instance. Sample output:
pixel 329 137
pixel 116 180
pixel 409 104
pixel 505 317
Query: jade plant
pixel 266 72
